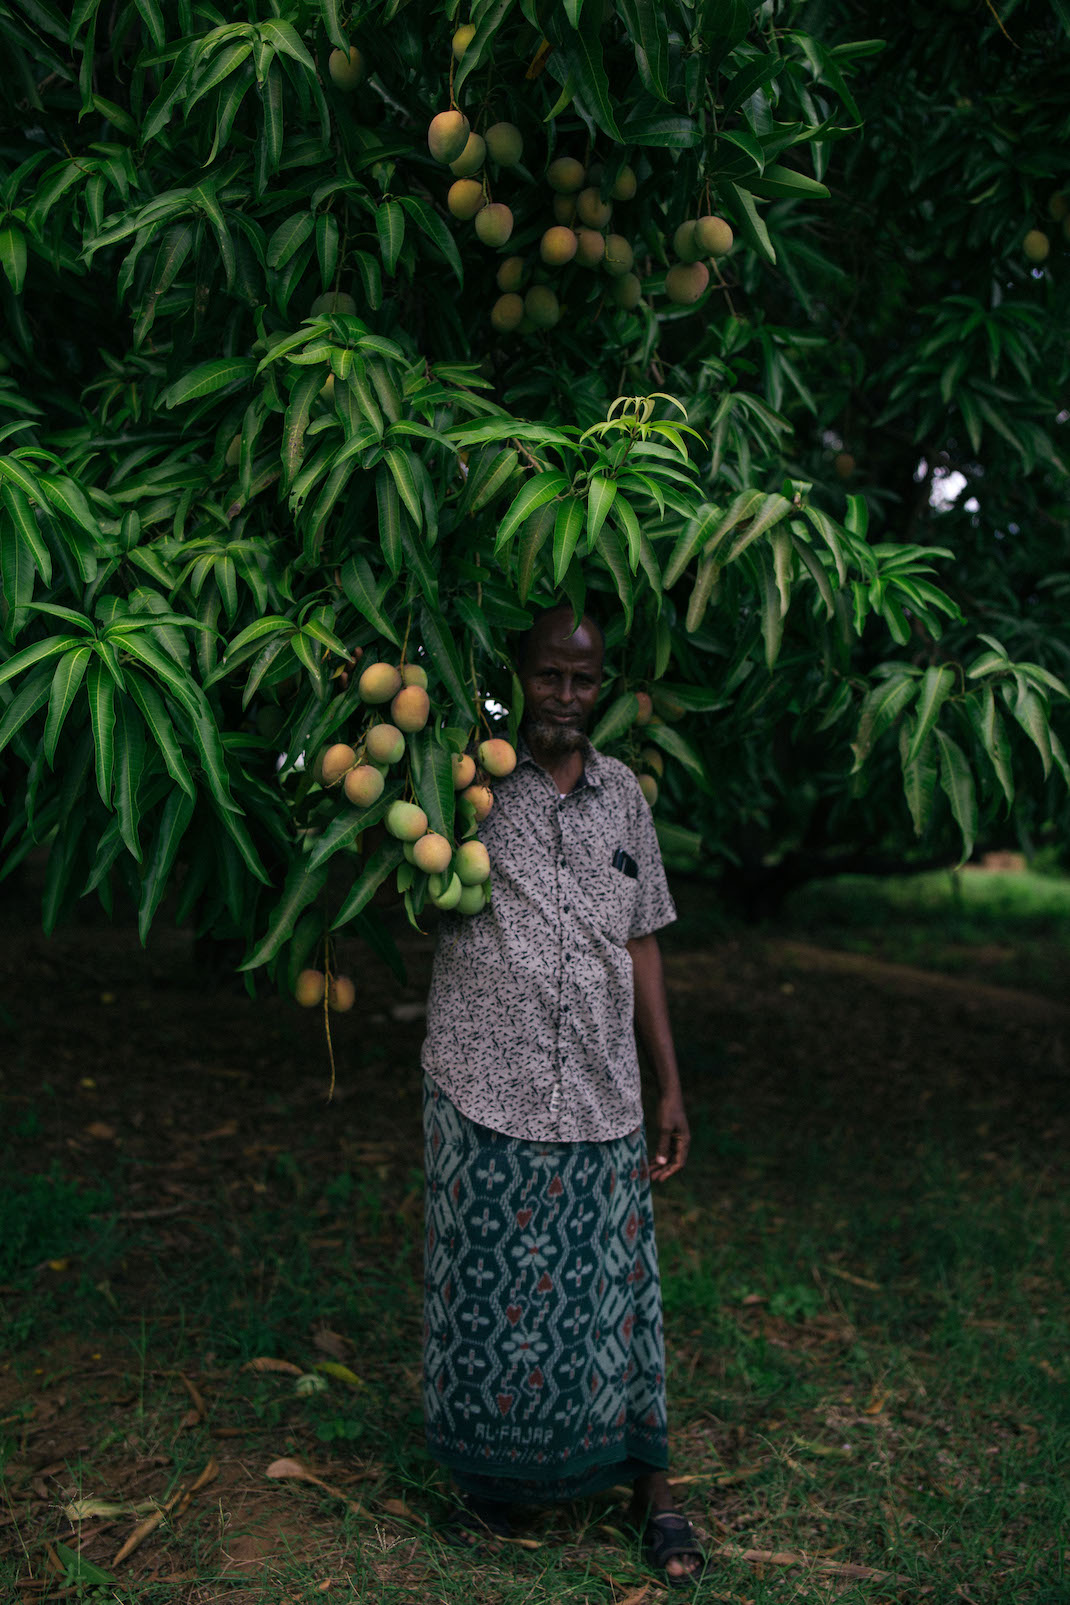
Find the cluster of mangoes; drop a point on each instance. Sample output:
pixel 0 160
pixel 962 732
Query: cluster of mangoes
pixel 696 237
pixel 581 232
pixel 452 875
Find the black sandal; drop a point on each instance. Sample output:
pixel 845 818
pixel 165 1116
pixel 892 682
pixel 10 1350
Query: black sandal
pixel 669 1536
pixel 476 1520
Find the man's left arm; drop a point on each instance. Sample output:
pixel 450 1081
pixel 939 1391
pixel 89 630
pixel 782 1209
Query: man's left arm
pixel 655 1033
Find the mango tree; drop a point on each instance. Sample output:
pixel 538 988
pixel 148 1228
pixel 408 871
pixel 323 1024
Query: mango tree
pixel 338 344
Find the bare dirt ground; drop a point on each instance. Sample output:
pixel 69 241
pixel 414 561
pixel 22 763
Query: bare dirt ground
pixel 197 1108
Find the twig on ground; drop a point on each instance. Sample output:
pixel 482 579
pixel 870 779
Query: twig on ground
pixel 178 1502
pixel 796 1557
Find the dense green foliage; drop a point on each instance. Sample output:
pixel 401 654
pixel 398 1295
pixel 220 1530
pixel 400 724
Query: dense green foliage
pixel 256 417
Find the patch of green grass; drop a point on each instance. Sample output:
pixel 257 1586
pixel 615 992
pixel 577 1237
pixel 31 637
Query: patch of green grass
pixel 1009 928
pixel 44 1217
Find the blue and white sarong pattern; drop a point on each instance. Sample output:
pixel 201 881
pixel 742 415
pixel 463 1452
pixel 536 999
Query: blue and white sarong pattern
pixel 544 1369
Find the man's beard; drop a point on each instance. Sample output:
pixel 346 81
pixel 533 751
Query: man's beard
pixel 556 739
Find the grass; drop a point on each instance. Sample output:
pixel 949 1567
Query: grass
pixel 866 1299
pixel 1014 926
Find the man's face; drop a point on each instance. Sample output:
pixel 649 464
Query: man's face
pixel 561 673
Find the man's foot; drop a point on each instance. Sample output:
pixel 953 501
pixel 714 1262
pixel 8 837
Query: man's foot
pixel 475 1522
pixel 669 1542
pixel 670 1546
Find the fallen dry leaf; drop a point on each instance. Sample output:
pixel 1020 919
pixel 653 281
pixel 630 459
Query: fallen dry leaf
pixel 195 1395
pixel 54 1561
pixel 227 1129
pixel 180 1499
pixel 264 1362
pixel 332 1343
pixel 796 1557
pixel 398 1507
pixel 294 1470
pixel 87 1509
pixel 139 1535
pixel 340 1373
pixel 636 1597
pixel 855 1281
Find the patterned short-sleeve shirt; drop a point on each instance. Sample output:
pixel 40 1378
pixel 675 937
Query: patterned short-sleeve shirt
pixel 530 1021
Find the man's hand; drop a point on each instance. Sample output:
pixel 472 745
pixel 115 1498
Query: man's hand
pixel 674 1138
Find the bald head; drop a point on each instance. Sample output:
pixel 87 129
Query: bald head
pixel 556 624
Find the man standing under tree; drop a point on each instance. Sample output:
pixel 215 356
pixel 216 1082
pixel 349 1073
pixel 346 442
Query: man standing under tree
pixel 544 1373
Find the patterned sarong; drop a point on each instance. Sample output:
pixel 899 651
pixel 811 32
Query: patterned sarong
pixel 544 1372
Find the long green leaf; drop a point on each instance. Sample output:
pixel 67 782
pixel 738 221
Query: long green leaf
pixel 347 825
pixel 17 576
pixel 1031 712
pixel 766 515
pixel 540 489
pixel 101 688
pixel 379 867
pixel 648 29
pixel 129 768
pixel 618 717
pixel 303 886
pixel 401 465
pixel 880 709
pixel 36 654
pixel 177 680
pixel 303 394
pixel 26 529
pixel 154 712
pixel 957 782
pixel 390 226
pixel 488 478
pixel 751 224
pixel 442 649
pixel 772 614
pixel 221 373
pixel 491 17
pixel 669 739
pixel 706 578
pixel 920 774
pixel 358 583
pixel 991 733
pixel 535 535
pixel 32 695
pixel 432 226
pixel 937 684
pixel 432 779
pixel 601 494
pixel 13 256
pixel 166 839
pixel 568 527
pixel 65 683
pixel 612 551
pixel 582 55
pixel 691 540
pixel 288 237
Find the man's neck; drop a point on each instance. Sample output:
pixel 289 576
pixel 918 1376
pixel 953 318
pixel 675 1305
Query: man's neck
pixel 564 768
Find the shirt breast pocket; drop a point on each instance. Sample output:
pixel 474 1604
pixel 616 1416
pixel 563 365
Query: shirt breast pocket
pixel 614 893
